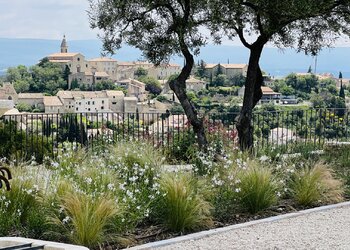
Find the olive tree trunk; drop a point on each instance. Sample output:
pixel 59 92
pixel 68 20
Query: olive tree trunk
pixel 178 85
pixel 252 95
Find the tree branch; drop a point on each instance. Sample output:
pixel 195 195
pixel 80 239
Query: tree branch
pixel 240 34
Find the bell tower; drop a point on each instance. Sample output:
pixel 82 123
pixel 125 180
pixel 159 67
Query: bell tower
pixel 64 47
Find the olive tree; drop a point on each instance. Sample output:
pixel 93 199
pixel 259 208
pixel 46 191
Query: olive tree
pixel 307 25
pixel 160 29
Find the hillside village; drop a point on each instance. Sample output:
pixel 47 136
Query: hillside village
pixel 107 85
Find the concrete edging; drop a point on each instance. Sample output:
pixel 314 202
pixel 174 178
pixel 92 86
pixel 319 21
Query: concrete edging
pixel 203 234
pixel 49 245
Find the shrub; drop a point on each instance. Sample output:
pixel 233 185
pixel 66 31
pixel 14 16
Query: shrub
pixel 310 185
pixel 182 208
pixel 257 189
pixel 19 206
pixel 137 166
pixel 183 147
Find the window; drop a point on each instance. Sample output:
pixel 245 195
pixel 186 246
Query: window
pixel 93 103
pixel 76 109
pixel 88 102
pixel 102 107
pixel 103 101
pixel 114 103
pixel 89 109
pixel 78 59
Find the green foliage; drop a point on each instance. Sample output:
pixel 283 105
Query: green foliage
pixel 311 185
pixel 161 98
pixel 44 77
pixel 177 110
pixel 20 207
pixel 219 80
pixel 71 128
pixel 257 189
pixel 237 79
pixel 66 73
pixel 182 208
pixel 183 147
pixel 140 72
pixel 342 92
pixel 23 107
pixel 200 69
pixel 105 85
pixel 19 144
pixel 152 85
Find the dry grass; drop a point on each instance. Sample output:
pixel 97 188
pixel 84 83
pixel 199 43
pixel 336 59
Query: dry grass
pixel 311 185
pixel 88 216
pixel 182 208
pixel 257 189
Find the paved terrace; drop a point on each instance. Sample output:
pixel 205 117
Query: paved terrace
pixel 320 228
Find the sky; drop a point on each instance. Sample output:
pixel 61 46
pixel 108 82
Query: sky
pixel 51 19
pixel 45 19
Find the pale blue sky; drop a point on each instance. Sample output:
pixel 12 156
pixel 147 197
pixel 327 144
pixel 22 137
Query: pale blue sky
pixel 45 19
pixel 50 19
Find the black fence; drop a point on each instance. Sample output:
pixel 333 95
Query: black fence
pixel 25 135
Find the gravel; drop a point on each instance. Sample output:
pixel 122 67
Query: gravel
pixel 327 229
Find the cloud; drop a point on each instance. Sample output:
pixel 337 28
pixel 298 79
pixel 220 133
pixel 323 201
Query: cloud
pixel 48 19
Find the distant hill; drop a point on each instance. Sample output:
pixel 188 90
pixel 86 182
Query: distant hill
pixel 277 63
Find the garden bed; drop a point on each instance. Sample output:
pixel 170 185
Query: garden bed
pixel 126 195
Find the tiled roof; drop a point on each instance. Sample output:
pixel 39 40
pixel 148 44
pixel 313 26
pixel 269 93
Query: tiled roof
pixel 59 61
pixel 126 63
pixel 225 65
pixel 103 59
pixel 62 55
pixel 268 91
pixel 233 66
pixel 30 96
pixel 194 80
pixel 101 74
pixel 114 93
pixel 52 101
pixel 130 98
pixel 210 65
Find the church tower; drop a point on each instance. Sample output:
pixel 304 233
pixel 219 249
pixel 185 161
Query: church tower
pixel 64 47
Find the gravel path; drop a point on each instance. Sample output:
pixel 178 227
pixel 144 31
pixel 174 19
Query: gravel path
pixel 328 229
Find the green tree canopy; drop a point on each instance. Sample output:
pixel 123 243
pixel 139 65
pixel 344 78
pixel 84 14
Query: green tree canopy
pixel 159 29
pixel 140 72
pixel 152 85
pixel 307 25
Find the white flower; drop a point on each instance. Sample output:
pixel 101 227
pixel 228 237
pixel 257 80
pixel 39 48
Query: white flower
pixel 55 164
pixel 122 186
pixel 88 180
pixel 264 158
pixel 65 220
pixel 237 190
pixel 110 186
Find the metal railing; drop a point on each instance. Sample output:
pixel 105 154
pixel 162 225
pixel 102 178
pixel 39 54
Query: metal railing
pixel 25 135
